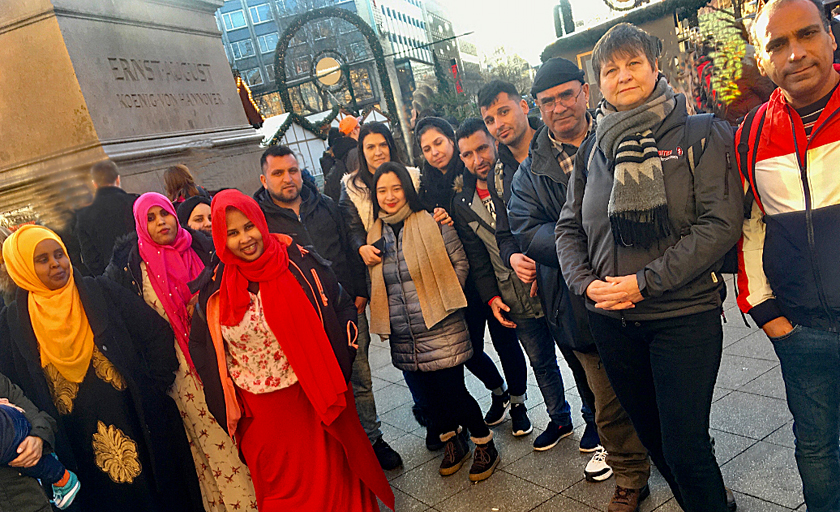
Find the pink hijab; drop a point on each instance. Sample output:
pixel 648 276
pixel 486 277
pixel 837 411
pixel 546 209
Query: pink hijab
pixel 170 267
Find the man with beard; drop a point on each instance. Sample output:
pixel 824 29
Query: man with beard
pixel 293 206
pixel 505 114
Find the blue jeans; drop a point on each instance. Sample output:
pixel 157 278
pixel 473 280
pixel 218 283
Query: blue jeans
pixel 48 469
pixel 363 385
pixel 538 343
pixel 811 370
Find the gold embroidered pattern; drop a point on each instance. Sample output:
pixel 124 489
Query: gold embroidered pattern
pixel 63 391
pixel 106 371
pixel 116 454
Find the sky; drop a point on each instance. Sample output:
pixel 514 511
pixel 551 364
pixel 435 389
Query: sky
pixel 525 27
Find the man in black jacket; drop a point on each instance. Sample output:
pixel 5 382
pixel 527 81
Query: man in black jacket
pixel 538 193
pixel 109 217
pixel 505 115
pixel 293 206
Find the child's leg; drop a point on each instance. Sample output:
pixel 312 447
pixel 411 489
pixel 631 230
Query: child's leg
pixel 48 469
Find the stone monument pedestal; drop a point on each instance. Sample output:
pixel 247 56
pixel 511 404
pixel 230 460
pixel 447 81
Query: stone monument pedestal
pixel 143 82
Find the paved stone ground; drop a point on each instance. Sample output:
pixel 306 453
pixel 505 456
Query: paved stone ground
pixel 750 422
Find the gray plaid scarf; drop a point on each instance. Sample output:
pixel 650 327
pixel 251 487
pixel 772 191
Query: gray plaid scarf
pixel 638 206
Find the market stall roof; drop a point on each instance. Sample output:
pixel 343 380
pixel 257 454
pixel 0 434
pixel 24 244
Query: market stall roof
pixel 590 36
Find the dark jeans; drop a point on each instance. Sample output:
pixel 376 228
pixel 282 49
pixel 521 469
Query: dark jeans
pixel 664 372
pixel 478 315
pixel 48 469
pixel 449 404
pixel 587 398
pixel 811 369
pixel 538 343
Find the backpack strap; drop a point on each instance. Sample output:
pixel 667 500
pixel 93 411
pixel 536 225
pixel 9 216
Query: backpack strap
pixel 749 139
pixel 697 129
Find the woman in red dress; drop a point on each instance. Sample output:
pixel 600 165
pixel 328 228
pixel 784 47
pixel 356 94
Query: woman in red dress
pixel 273 342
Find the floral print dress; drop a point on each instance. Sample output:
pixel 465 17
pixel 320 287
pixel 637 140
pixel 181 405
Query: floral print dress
pixel 224 479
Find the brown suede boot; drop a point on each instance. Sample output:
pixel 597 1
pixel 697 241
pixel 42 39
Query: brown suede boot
pixel 627 500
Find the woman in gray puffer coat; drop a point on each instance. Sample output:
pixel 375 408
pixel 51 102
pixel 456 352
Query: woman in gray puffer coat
pixel 417 302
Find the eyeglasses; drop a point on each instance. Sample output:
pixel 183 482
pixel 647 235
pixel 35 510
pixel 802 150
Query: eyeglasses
pixel 565 98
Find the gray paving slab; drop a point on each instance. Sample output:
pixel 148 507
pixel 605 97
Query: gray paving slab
pixel 755 345
pixel 597 495
pixel 749 415
pixel 768 472
pixel 728 446
pixel 561 503
pixel 750 422
pixel 768 384
pixel 735 371
pixel 783 436
pixel 503 492
pixel 556 469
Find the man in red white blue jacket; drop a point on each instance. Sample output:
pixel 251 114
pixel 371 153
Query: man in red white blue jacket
pixel 789 277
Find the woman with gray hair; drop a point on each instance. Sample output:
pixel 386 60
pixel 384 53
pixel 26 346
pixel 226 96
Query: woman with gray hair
pixel 653 205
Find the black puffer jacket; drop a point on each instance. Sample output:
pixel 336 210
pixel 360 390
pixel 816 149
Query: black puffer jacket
pixel 312 272
pixel 321 226
pixel 680 274
pixel 538 191
pixel 124 268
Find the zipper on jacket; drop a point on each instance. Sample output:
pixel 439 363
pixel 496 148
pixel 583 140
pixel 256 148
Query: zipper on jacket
pixel 320 288
pixel 303 276
pixel 397 252
pixel 809 215
pixel 726 179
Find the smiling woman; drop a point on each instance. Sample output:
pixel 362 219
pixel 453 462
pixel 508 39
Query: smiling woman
pixel 645 263
pixel 92 355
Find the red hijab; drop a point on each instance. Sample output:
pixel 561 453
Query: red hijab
pixel 170 268
pixel 286 307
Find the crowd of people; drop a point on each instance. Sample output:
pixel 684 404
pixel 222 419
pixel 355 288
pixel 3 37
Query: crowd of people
pixel 199 353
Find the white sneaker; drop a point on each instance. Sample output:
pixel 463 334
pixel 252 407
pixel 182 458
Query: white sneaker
pixel 596 469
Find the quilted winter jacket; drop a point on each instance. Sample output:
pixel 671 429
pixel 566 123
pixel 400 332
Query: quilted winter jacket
pixel 413 346
pixel 791 243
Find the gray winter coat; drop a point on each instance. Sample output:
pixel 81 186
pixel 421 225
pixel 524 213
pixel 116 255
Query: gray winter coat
pixel 413 346
pixel 679 275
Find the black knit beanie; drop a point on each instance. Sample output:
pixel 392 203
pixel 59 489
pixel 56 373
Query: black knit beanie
pixel 554 72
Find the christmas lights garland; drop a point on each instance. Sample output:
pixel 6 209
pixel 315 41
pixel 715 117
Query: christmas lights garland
pixel 280 72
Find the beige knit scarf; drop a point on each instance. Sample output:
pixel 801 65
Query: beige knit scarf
pixel 438 288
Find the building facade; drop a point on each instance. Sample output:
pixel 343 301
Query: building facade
pixel 251 29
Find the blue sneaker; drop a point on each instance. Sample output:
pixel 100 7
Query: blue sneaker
pixel 64 495
pixel 590 441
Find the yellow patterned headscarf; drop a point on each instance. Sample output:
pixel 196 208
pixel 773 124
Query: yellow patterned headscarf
pixel 58 316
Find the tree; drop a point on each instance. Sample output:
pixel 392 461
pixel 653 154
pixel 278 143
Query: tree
pixel 509 67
